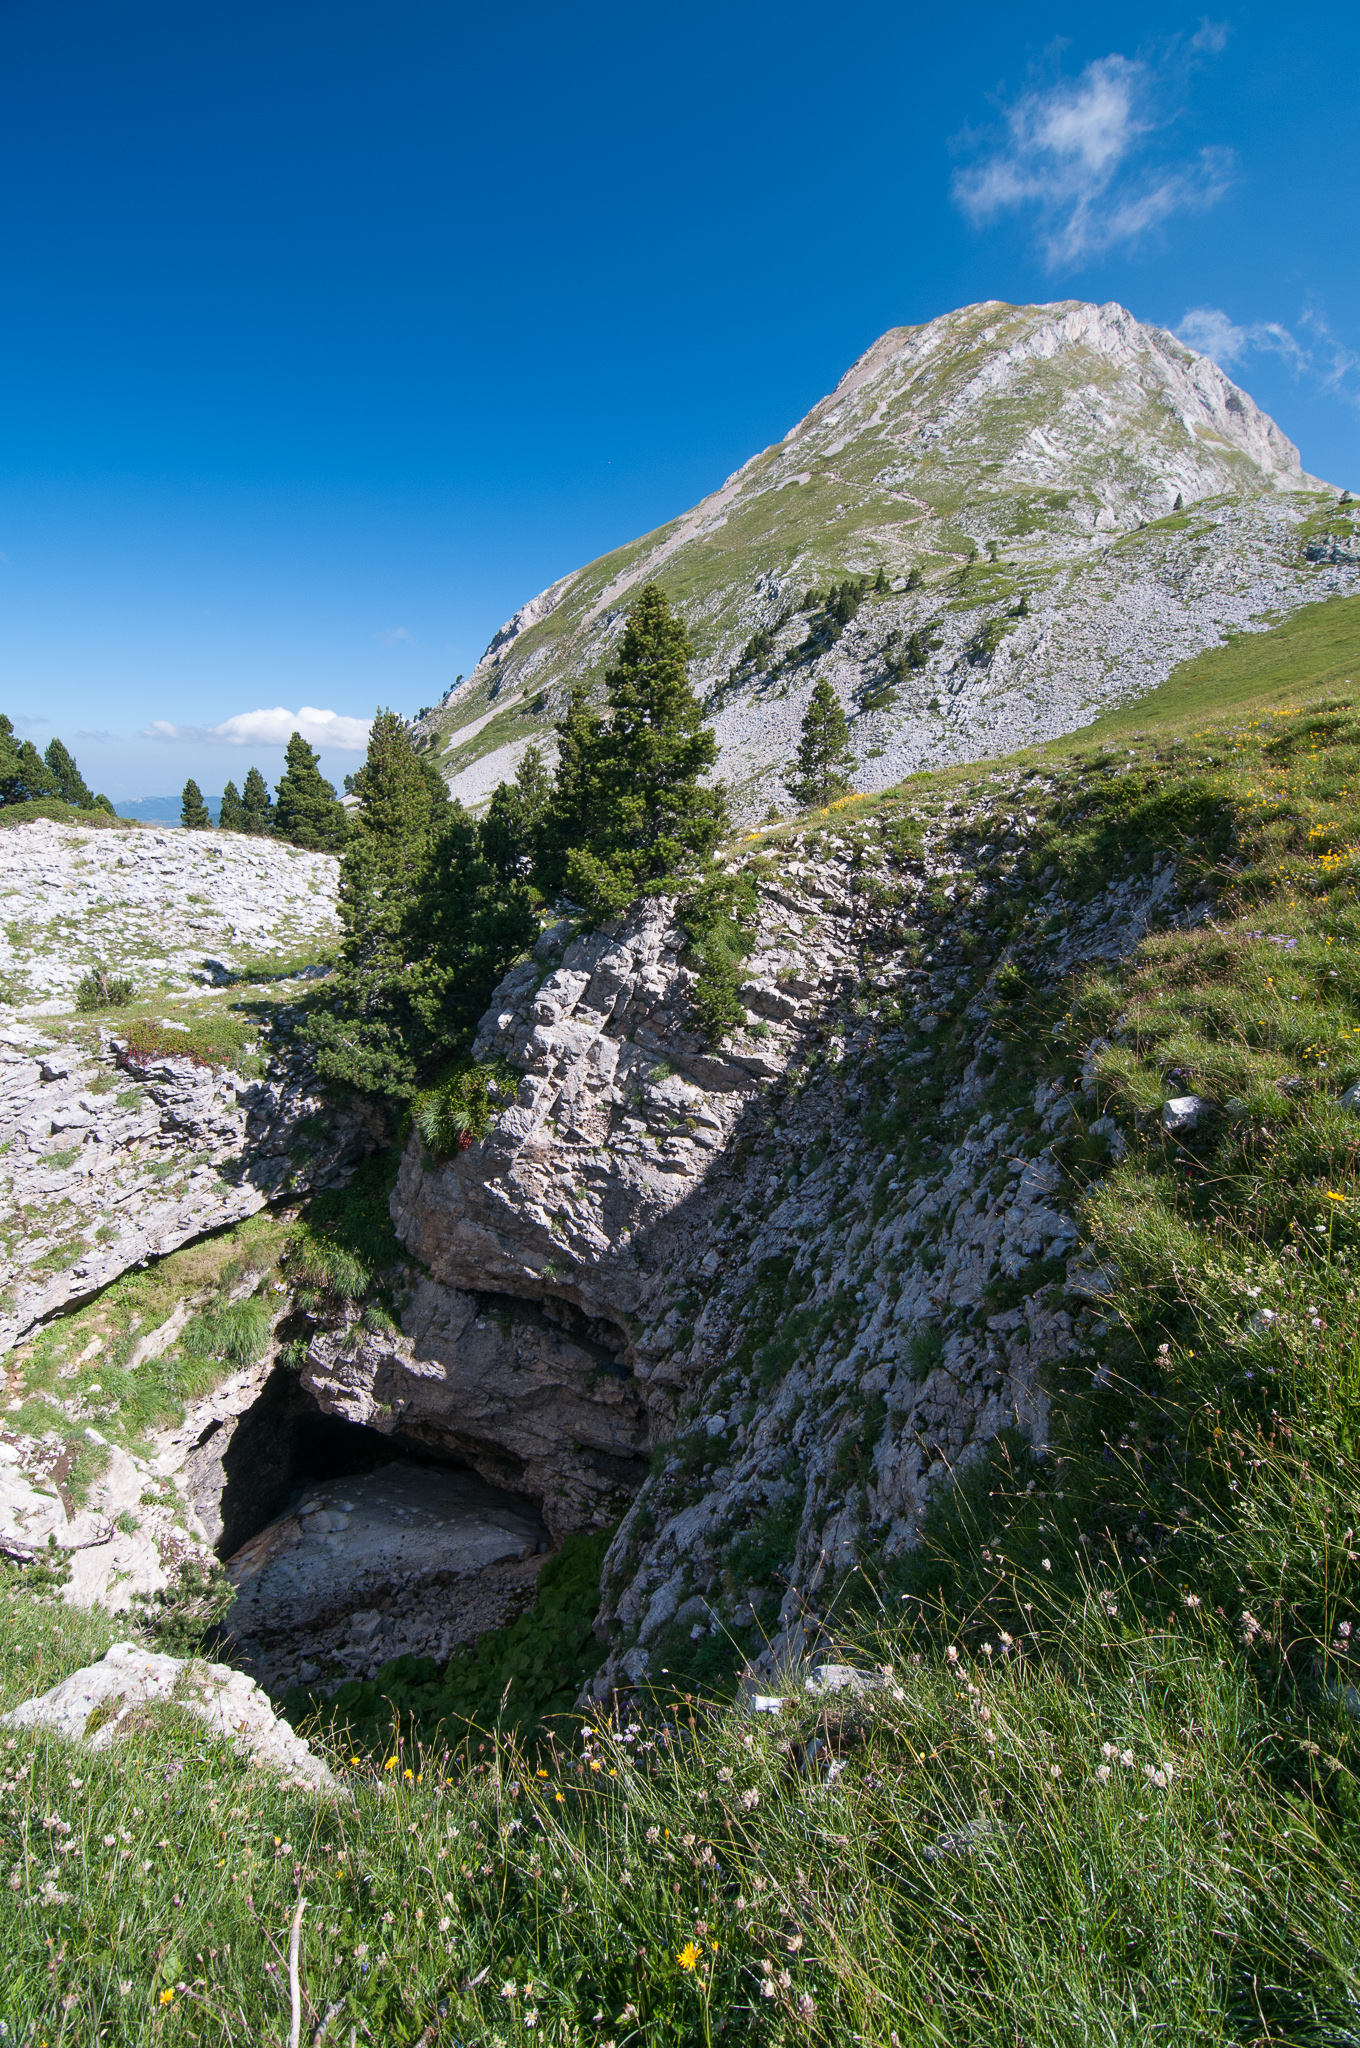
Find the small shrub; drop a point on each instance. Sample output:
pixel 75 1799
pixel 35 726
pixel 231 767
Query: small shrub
pixel 100 990
pixel 461 1108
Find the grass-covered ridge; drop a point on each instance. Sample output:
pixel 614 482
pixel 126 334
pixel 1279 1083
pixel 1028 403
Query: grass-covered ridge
pixel 1108 1793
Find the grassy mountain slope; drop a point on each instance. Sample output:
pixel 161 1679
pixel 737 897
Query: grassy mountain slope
pixel 1058 438
pixel 1110 1791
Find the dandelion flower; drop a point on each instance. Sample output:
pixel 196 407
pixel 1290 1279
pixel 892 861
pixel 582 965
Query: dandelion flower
pixel 688 1956
pixel 391 1764
pixel 168 1995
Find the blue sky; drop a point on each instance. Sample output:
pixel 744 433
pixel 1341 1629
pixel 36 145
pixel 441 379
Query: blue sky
pixel 332 333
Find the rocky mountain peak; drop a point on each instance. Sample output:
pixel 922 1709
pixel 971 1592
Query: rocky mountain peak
pixel 998 475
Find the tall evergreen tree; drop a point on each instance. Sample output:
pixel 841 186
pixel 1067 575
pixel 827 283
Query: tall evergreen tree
pixel 467 926
pixel 824 753
pixel 306 808
pixel 24 775
pixel 628 807
pixel 231 814
pixel 257 811
pixel 71 785
pixel 370 1034
pixel 194 814
pixel 512 829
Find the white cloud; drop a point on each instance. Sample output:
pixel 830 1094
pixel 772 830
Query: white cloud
pixel 1211 36
pixel 393 634
pixel 1323 358
pixel 1067 155
pixel 272 729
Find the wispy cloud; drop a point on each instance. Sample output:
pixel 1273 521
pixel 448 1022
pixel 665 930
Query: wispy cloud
pixel 1319 356
pixel 99 735
pixel 23 723
pixel 393 634
pixel 1074 156
pixel 271 729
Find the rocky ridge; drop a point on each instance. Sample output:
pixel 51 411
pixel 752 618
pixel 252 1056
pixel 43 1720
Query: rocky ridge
pixel 1062 437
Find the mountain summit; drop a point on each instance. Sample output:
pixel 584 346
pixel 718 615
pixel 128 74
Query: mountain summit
pixel 996 525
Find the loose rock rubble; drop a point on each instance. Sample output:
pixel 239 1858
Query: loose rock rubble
pixel 102 1703
pixel 174 910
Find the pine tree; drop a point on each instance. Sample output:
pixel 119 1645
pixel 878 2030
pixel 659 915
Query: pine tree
pixel 824 753
pixel 881 580
pixel 24 775
pixel 466 927
pixel 1179 505
pixel 306 808
pixel 628 807
pixel 231 814
pixel 71 786
pixel 370 1035
pixel 511 831
pixel 257 812
pixel 194 814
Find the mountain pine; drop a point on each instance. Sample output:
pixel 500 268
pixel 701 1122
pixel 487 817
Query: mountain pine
pixel 71 785
pixel 257 812
pixel 628 807
pixel 194 814
pixel 306 808
pixel 512 829
pixel 824 752
pixel 369 1034
pixel 231 811
pixel 24 775
pixel 467 926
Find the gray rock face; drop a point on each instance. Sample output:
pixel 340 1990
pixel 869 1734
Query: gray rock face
pixel 347 1542
pixel 114 1159
pixel 111 1158
pixel 99 1704
pixel 807 1325
pixel 534 1398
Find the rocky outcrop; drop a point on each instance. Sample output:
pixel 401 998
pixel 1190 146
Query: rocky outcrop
pixel 103 1703
pixel 112 1158
pixel 812 1329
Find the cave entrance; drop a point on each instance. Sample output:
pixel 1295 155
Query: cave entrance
pixel 347 1546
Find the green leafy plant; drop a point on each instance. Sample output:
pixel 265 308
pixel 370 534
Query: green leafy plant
pixel 100 990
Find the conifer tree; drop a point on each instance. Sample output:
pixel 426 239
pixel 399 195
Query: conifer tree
pixel 306 808
pixel 370 1034
pixel 824 753
pixel 628 807
pixel 71 786
pixel 231 815
pixel 467 925
pixel 511 831
pixel 194 814
pixel 24 775
pixel 257 811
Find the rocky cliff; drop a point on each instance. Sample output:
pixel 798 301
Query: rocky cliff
pixel 1063 440
pixel 810 1276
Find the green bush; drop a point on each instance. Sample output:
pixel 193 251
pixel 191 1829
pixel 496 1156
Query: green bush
pixel 461 1108
pixel 100 990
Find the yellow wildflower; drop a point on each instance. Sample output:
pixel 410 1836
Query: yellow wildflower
pixel 688 1956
